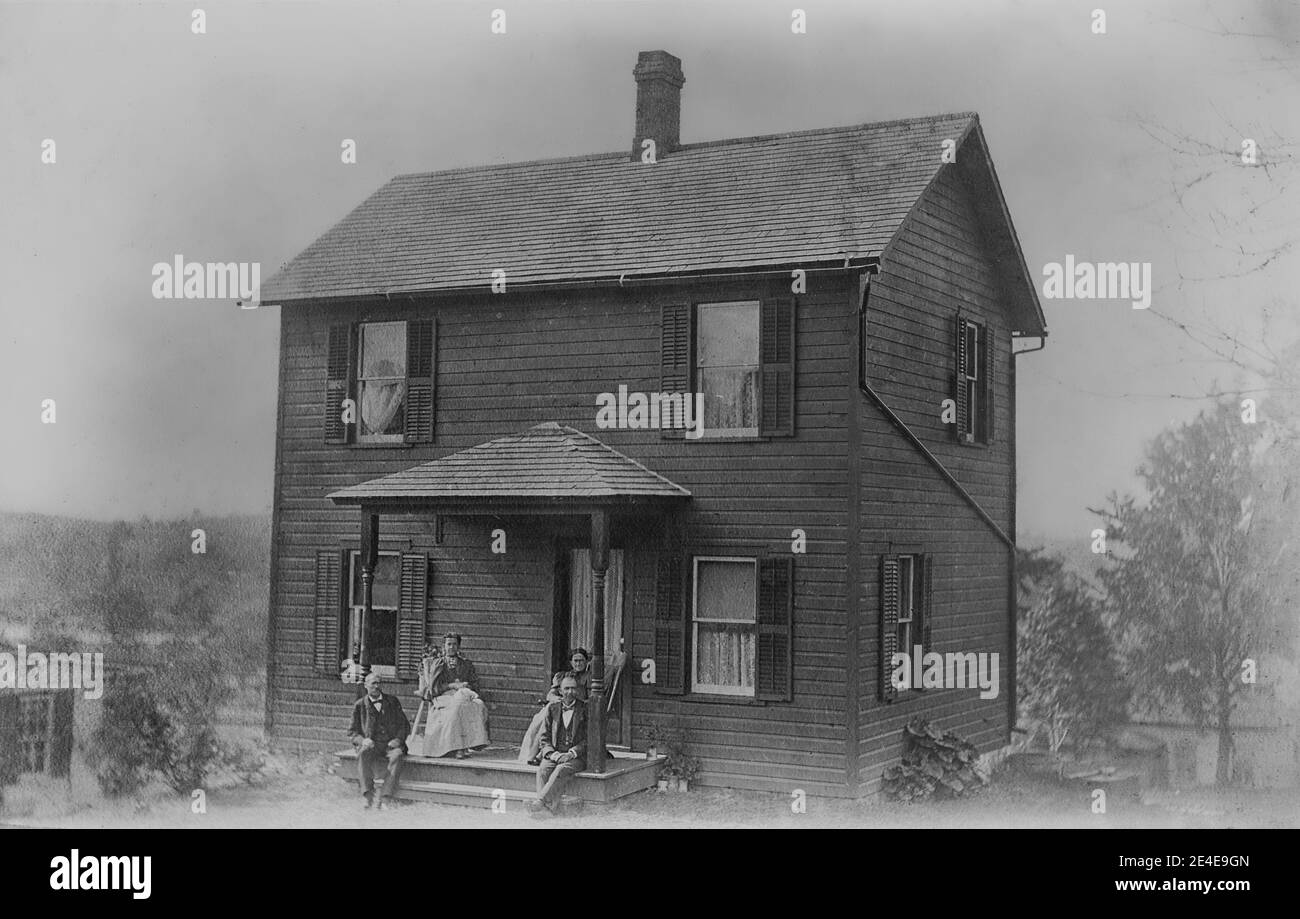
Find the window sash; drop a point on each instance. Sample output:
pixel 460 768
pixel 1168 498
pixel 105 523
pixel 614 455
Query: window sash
pixel 395 377
pixel 744 630
pixel 741 402
pixel 355 610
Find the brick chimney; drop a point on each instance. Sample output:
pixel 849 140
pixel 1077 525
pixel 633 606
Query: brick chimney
pixel 659 83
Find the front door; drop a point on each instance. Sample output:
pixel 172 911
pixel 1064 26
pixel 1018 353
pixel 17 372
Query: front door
pixel 574 627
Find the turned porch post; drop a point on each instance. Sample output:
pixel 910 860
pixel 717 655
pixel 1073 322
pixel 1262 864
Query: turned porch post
pixel 369 558
pixel 596 699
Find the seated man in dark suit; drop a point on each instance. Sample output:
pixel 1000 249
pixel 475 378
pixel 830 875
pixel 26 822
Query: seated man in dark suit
pixel 379 729
pixel 564 745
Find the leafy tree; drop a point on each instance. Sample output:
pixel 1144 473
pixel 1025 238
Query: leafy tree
pixel 1184 581
pixel 1068 673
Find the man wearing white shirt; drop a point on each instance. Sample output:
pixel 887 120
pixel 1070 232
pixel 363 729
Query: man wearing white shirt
pixel 564 745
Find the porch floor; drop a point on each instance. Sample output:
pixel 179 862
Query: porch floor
pixel 475 782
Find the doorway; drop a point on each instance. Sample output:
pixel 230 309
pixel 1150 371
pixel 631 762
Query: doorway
pixel 574 627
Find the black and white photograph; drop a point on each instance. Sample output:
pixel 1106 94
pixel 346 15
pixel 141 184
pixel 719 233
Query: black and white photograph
pixel 647 414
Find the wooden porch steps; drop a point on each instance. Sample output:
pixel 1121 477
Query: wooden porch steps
pixel 476 781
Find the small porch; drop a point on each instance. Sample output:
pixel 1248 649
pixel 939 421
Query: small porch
pixel 543 476
pixel 474 782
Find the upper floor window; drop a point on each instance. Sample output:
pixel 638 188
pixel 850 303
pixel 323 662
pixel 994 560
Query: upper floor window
pixel 974 383
pixel 740 357
pixel 380 382
pixel 726 358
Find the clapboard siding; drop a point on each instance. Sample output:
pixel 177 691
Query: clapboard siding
pixel 508 362
pixel 938 264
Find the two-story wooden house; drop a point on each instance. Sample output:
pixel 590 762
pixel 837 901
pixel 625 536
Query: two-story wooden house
pixel 443 463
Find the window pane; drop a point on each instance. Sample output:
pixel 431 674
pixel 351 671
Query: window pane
pixel 724 656
pixel 728 335
pixel 383 637
pixel 972 352
pixel 383 350
pixel 385 590
pixel 905 606
pixel 725 590
pixel 730 398
pixel 382 411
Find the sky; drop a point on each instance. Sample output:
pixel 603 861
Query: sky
pixel 224 146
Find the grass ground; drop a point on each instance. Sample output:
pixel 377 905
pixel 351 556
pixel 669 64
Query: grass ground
pixel 301 793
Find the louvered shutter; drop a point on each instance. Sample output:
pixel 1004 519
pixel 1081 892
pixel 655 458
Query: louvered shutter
pixel 61 733
pixel 988 385
pixel 776 353
pixel 774 665
pixel 670 625
pixel 329 599
pixel 959 381
pixel 10 715
pixel 338 383
pixel 411 614
pixel 927 594
pixel 889 600
pixel 421 361
pixel 675 353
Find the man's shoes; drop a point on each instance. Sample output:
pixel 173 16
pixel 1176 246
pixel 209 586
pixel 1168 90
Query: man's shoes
pixel 538 809
pixel 385 804
pixel 368 802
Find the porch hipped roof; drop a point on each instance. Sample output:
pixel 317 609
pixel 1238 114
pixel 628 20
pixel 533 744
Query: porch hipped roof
pixel 546 464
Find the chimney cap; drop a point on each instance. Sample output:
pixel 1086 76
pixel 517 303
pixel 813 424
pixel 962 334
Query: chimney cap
pixel 658 65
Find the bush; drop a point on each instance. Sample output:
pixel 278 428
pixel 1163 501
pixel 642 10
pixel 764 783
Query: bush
pixel 935 764
pixel 159 721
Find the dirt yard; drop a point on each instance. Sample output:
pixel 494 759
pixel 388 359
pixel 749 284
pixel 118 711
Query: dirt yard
pixel 301 793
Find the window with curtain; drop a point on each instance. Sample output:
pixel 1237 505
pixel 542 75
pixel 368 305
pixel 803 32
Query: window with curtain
pixel 724 624
pixel 381 381
pixel 727 367
pixel 381 630
pixel 582 614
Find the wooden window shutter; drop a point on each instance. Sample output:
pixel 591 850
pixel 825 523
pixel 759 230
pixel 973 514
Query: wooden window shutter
pixel 670 624
pixel 959 381
pixel 60 756
pixel 421 367
pixel 339 373
pixel 329 600
pixel 988 386
pixel 412 611
pixel 927 595
pixel 10 718
pixel 889 602
pixel 774 664
pixel 776 355
pixel 675 354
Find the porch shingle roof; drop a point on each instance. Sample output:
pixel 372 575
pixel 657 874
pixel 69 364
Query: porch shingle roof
pixel 795 198
pixel 546 462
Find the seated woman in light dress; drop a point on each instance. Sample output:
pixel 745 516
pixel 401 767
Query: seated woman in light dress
pixel 579 661
pixel 458 718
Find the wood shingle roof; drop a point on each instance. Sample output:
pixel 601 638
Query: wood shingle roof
pixel 809 197
pixel 547 462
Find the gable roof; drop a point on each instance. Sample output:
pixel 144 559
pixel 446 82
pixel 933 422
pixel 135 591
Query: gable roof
pixel 548 462
pixel 829 196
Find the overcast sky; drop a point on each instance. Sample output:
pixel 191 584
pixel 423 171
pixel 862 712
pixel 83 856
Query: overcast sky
pixel 225 146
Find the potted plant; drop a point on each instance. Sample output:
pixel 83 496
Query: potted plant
pixel 681 767
pixel 652 742
pixel 687 769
